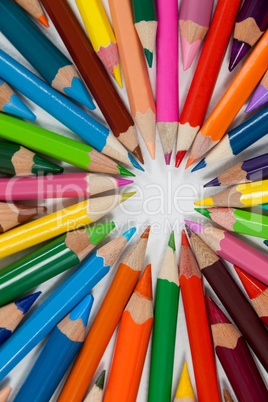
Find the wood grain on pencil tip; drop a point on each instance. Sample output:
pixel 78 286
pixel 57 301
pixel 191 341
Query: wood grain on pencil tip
pixel 12 215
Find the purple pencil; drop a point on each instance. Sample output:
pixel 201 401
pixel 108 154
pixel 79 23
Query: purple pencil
pixel 260 96
pixel 251 23
pixel 194 22
pixel 235 357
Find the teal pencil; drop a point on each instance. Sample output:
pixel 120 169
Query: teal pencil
pixel 57 355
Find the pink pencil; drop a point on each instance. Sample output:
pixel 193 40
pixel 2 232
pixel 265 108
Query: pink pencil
pixel 57 186
pixel 194 22
pixel 167 90
pixel 233 250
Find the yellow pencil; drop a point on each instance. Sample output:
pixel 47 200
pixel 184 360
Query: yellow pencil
pixel 49 226
pixel 101 35
pixel 185 390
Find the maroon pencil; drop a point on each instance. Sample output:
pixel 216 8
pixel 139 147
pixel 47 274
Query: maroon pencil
pixel 94 74
pixel 235 357
pixel 229 293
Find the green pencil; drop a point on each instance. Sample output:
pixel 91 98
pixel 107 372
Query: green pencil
pixel 237 220
pixel 50 260
pixel 145 21
pixel 16 160
pixel 164 336
pixel 58 146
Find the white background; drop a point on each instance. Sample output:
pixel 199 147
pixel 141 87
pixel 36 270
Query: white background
pixel 165 196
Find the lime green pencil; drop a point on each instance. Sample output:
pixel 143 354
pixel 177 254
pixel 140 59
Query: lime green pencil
pixel 57 146
pixel 164 336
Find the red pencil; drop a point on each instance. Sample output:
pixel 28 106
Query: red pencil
pixel 257 292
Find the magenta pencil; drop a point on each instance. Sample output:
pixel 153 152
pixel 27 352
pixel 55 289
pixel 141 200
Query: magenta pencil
pixel 233 250
pixel 57 186
pixel 260 96
pixel 167 75
pixel 194 22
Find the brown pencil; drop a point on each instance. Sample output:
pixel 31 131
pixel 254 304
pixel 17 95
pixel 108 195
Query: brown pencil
pixel 12 215
pixel 94 74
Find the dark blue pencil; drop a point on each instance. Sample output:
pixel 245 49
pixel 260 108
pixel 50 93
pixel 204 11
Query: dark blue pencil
pixel 11 315
pixel 44 56
pixel 57 355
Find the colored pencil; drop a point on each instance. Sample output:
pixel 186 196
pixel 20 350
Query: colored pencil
pixel 57 146
pixel 264 206
pixel 41 53
pixel 185 391
pixel 232 101
pixel 12 215
pixel 4 394
pixel 138 85
pixel 251 23
pixel 58 353
pixel 237 140
pixel 207 70
pixel 145 22
pixel 241 196
pixel 260 96
pixel 194 22
pixel 62 109
pixel 237 220
pixel 164 334
pixel 197 325
pixel 235 357
pixel 233 250
pixel 132 343
pixel 58 186
pixel 64 298
pixel 253 169
pixel 12 104
pixel 266 242
pixel 96 392
pixel 167 75
pixel 101 35
pixel 257 292
pixel 227 396
pixel 50 260
pixel 232 298
pixel 16 160
pixel 94 74
pixel 34 9
pixel 105 322
pixel 52 225
pixel 12 314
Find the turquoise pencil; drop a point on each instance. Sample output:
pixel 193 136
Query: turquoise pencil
pixel 41 53
pixel 12 104
pixel 57 355
pixel 11 315
pixel 60 303
pixel 62 109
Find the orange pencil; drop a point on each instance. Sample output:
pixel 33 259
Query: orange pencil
pixel 232 101
pixel 132 343
pixel 135 71
pixel 197 325
pixel 105 323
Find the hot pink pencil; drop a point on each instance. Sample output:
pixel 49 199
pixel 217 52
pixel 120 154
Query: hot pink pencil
pixel 194 22
pixel 57 186
pixel 167 74
pixel 233 250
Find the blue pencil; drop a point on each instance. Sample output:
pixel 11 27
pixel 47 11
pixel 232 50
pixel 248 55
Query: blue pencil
pixel 44 56
pixel 238 139
pixel 61 348
pixel 12 104
pixel 264 206
pixel 11 315
pixel 60 303
pixel 63 109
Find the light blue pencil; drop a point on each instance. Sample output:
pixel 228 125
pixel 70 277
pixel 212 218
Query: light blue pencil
pixel 64 110
pixel 57 355
pixel 12 104
pixel 60 303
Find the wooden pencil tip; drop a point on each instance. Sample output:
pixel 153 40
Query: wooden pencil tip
pixel 184 240
pixel 144 286
pixel 137 152
pixel 146 233
pixel 185 389
pixel 216 316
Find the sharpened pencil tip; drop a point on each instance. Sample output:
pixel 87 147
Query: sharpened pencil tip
pixel 82 310
pixel 135 163
pixel 125 172
pixel 16 107
pixel 123 182
pixel 167 158
pixel 129 233
pixel 259 98
pixel 43 20
pixel 98 232
pixel 205 202
pixel 216 316
pixel 213 183
pixel 266 242
pixel 179 157
pixel 151 148
pixel 238 52
pixel 189 162
pixel 78 92
pixel 100 380
pixel 171 241
pixel 189 51
pixel 149 57
pixel 185 389
pixel 125 196
pixel 202 164
pixel 144 285
pixel 25 303
pixel 137 152
pixel 203 211
pixel 146 233
pixel 117 75
pixel 196 227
